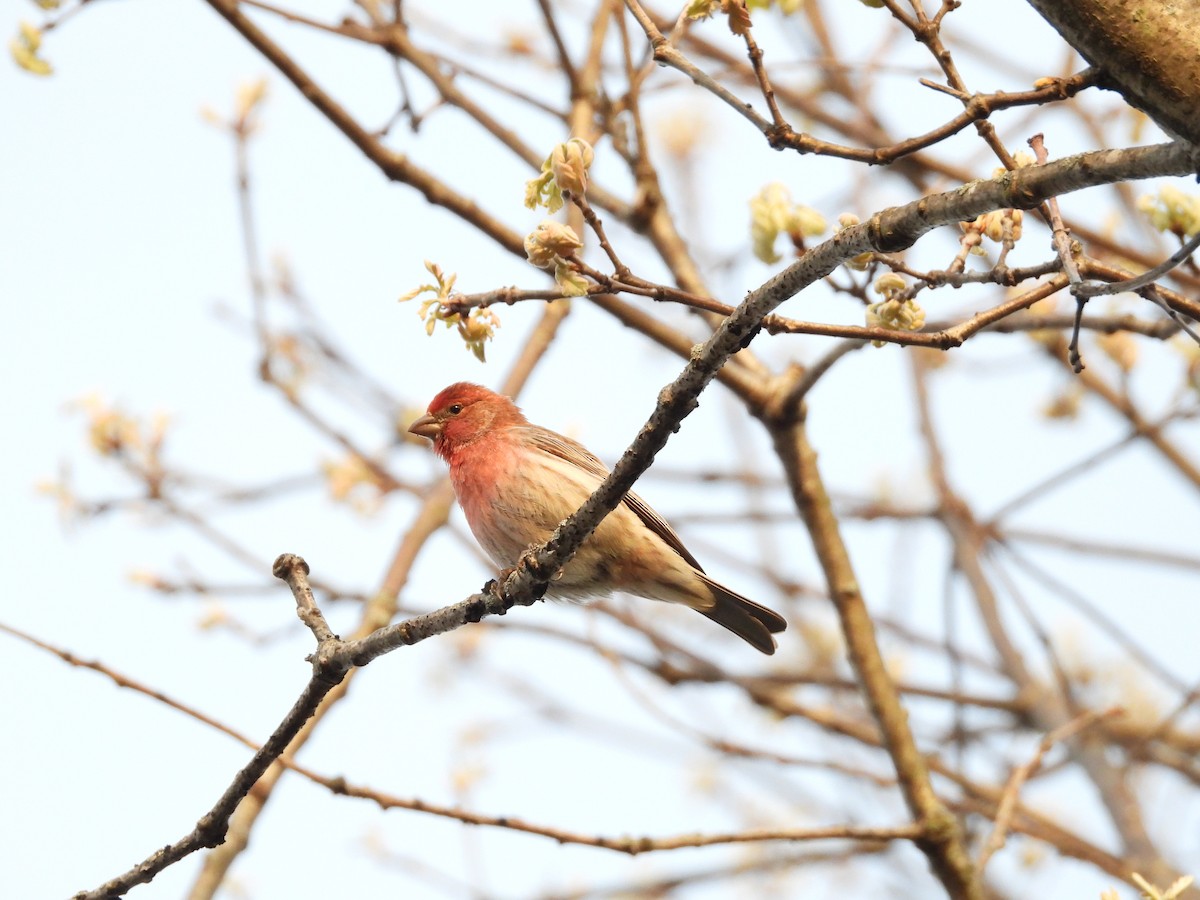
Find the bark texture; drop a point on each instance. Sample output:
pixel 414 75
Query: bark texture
pixel 1148 50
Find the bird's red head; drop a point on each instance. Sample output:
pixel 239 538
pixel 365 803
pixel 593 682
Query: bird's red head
pixel 462 413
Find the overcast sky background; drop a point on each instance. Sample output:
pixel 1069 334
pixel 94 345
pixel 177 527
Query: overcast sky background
pixel 120 246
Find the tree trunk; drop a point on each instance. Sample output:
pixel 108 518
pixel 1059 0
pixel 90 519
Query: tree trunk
pixel 1148 50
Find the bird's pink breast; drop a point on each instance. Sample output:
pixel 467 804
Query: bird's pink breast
pixel 496 497
pixel 514 496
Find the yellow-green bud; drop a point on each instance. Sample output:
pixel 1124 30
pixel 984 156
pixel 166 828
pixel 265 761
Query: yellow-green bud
pixel 889 284
pixel 569 164
pixel 549 241
pixel 572 283
pixel 772 212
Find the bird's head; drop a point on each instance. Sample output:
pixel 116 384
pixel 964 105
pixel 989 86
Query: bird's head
pixel 463 413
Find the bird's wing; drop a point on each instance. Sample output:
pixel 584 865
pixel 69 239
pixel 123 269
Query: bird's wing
pixel 575 453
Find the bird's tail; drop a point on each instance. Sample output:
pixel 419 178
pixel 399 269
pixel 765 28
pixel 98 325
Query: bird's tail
pixel 753 623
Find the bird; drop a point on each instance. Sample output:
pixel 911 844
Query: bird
pixel 516 481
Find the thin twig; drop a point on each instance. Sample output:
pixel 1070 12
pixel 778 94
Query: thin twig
pixel 294 571
pixel 1096 289
pixel 1066 250
pixel 1025 771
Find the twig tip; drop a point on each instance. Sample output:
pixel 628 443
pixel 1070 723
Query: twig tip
pixel 285 563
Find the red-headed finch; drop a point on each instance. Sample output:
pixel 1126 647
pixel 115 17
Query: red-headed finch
pixel 516 481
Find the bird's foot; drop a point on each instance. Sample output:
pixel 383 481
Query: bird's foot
pixel 496 585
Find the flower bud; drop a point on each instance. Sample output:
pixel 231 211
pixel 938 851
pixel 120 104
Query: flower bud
pixel 572 283
pixel 898 315
pixel 549 241
pixel 1172 210
pixel 889 284
pixel 772 212
pixel 701 9
pixel 569 164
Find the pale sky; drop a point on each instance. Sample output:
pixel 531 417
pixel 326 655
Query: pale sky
pixel 123 275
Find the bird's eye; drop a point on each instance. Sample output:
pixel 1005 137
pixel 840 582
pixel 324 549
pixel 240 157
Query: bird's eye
pixel 454 409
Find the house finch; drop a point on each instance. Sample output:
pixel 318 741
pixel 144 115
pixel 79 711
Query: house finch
pixel 516 481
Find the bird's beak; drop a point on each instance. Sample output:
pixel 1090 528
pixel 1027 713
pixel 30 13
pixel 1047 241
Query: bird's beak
pixel 426 426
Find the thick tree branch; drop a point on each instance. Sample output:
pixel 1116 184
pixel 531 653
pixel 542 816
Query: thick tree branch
pixel 1146 49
